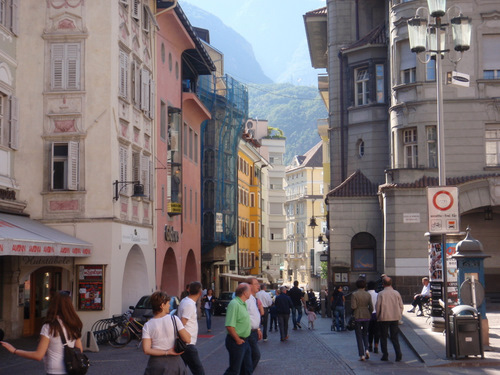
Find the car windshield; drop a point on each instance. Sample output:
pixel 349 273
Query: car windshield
pixel 144 303
pixel 226 295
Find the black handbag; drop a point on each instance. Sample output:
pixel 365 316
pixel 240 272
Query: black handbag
pixel 179 345
pixel 351 323
pixel 75 362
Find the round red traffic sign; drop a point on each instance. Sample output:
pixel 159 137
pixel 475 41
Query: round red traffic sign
pixel 442 200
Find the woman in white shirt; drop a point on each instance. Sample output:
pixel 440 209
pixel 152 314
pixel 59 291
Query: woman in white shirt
pixel 61 313
pixel 158 337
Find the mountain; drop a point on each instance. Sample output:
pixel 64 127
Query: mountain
pixel 239 58
pixel 293 109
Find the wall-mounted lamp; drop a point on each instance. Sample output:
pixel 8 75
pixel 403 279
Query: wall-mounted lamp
pixel 320 238
pixel 488 213
pixel 138 189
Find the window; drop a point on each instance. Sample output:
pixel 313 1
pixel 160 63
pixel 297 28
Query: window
pixel 163 120
pixel 361 149
pixel 136 83
pixel 431 146
pixel 185 135
pixel 408 63
pixel 9 15
pixel 64 166
pixel 123 75
pixel 252 199
pixel 379 72
pixel 65 66
pixel 363 247
pixel 430 70
pixel 190 143
pixel 252 229
pixel 136 166
pixel 492 145
pixel 195 156
pixel 361 90
pixel 491 56
pixel 410 148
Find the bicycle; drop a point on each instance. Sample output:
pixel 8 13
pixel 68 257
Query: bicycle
pixel 125 330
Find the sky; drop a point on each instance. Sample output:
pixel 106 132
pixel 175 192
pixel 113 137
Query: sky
pixel 275 29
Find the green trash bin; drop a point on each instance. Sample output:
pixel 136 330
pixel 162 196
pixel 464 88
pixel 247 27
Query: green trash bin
pixel 465 332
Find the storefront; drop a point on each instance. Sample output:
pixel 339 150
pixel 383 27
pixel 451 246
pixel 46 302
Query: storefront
pixel 35 262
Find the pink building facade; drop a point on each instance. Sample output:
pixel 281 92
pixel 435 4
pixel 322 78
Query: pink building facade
pixel 180 59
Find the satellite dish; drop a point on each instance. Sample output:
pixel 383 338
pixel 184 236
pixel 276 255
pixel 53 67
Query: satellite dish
pixel 466 293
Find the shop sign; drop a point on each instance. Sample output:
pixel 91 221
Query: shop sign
pixel 37 261
pixel 135 235
pixel 171 235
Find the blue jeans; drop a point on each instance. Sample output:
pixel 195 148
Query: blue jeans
pixel 240 357
pixel 361 330
pixel 254 348
pixel 192 360
pixel 296 319
pixel 208 314
pixel 338 313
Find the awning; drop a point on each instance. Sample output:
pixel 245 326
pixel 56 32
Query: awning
pixel 20 235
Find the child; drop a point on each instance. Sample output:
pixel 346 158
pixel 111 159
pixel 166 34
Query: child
pixel 311 317
pixel 274 318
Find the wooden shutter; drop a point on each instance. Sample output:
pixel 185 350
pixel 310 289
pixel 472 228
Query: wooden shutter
pixel 73 165
pixel 73 66
pixel 123 74
pixel 145 90
pixel 14 129
pixel 133 79
pixel 136 9
pixel 57 66
pixel 145 173
pixel 14 22
pixel 136 166
pixel 145 20
pixel 123 165
pixel 137 84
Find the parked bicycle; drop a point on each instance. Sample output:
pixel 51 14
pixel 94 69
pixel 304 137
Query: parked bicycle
pixel 127 329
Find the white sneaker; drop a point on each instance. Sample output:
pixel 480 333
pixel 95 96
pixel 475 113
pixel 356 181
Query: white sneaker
pixel 367 354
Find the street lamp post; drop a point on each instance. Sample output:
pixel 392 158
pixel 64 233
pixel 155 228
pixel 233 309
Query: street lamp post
pixel 430 38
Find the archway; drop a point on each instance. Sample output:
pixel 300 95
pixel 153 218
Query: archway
pixel 170 274
pixel 190 272
pixel 135 282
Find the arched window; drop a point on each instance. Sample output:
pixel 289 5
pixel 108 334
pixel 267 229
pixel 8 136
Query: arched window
pixel 363 250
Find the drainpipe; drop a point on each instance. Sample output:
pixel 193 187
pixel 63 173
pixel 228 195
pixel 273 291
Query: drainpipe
pixel 169 8
pixel 341 105
pixel 357 20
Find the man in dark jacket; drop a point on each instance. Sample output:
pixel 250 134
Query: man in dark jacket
pixel 283 305
pixel 297 297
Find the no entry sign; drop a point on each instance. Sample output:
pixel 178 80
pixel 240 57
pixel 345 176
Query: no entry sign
pixel 442 203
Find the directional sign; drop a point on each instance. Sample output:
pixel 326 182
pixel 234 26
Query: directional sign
pixel 442 203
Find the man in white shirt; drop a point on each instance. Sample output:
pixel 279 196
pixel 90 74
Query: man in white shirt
pixel 255 310
pixel 187 314
pixel 266 300
pixel 423 297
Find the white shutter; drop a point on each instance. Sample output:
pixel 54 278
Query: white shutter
pixel 151 98
pixel 145 20
pixel 123 165
pixel 123 74
pixel 133 79
pixel 73 166
pixel 73 66
pixel 145 174
pixel 145 90
pixel 491 52
pixel 14 26
pixel 136 166
pixel 57 66
pixel 137 85
pixel 136 9
pixel 408 58
pixel 151 181
pixel 14 128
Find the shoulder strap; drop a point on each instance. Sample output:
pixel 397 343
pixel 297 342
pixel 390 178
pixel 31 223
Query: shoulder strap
pixel 175 324
pixel 61 333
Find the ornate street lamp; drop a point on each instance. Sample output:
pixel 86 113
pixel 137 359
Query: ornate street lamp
pixel 429 37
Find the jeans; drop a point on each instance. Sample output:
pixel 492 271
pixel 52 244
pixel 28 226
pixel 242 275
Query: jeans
pixel 274 321
pixel 361 330
pixel 339 317
pixel 283 324
pixel 208 314
pixel 192 360
pixel 240 358
pixel 296 318
pixel 254 348
pixel 263 320
pixel 393 327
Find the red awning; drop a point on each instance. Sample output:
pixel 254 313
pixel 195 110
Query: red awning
pixel 20 235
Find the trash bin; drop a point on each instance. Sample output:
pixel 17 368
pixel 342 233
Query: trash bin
pixel 465 332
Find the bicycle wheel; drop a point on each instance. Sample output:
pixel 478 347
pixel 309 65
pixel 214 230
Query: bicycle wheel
pixel 122 337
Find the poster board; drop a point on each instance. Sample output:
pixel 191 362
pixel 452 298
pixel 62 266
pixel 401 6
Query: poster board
pixel 90 287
